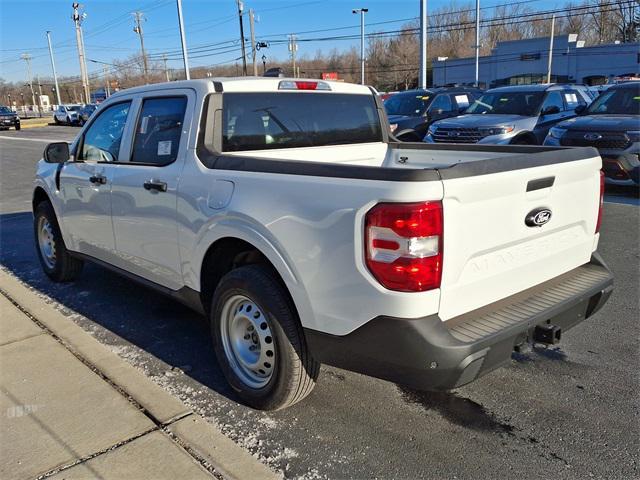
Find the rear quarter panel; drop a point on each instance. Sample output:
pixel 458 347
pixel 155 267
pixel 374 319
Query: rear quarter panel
pixel 312 231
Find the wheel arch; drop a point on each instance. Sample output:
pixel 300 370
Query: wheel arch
pixel 527 136
pixel 39 195
pixel 230 252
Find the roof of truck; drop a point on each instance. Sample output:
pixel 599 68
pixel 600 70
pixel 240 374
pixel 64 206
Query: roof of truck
pixel 246 84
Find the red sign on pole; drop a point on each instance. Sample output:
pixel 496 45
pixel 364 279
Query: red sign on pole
pixel 330 76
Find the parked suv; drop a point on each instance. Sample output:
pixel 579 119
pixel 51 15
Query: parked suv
pixel 517 115
pixel 410 113
pixel 8 118
pixel 69 114
pixel 86 112
pixel 612 125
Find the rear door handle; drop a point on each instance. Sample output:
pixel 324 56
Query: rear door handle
pixel 98 179
pixel 156 185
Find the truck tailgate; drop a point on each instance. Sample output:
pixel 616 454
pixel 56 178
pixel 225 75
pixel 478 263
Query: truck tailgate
pixel 489 251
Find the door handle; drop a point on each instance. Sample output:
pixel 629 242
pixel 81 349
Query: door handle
pixel 98 179
pixel 156 185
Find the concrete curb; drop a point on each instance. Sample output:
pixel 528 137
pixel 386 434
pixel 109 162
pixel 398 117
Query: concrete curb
pixel 34 125
pixel 193 433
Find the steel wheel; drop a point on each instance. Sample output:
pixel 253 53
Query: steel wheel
pixel 247 341
pixel 46 242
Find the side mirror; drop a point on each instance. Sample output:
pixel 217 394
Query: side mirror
pixel 580 109
pixel 550 110
pixel 57 152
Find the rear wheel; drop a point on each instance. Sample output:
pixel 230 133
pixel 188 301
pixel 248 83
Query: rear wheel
pixel 259 341
pixel 17 125
pixel 56 261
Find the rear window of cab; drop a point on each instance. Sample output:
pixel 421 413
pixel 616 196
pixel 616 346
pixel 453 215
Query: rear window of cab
pixel 259 121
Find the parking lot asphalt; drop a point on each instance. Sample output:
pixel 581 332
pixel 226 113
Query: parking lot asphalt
pixel 566 412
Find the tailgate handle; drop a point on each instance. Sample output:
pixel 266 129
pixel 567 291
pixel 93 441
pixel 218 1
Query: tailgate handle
pixel 540 183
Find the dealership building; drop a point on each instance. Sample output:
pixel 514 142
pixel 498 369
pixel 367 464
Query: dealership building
pixel 526 61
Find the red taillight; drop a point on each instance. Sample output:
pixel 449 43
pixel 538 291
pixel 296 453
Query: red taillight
pixel 307 85
pixel 404 245
pixel 601 201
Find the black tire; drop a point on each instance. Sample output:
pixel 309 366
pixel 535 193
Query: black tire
pixel 18 126
pixel 295 371
pixel 55 120
pixel 81 122
pixel 65 268
pixel 69 121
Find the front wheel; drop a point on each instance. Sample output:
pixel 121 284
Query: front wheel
pixel 17 126
pixel 52 252
pixel 258 340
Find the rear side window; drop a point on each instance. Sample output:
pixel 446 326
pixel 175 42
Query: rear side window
pixel 158 131
pixel 573 99
pixel 257 121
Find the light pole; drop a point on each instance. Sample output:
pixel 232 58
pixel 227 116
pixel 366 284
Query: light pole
pixel 183 41
pixel 477 45
pixel 53 67
pixel 422 77
pixel 444 59
pixel 361 11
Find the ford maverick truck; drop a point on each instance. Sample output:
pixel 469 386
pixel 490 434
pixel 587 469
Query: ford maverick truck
pixel 284 211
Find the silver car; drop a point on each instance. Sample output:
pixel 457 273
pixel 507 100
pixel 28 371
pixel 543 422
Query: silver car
pixel 517 115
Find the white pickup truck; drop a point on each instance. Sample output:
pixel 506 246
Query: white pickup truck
pixel 282 210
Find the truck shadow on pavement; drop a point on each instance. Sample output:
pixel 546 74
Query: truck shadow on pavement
pixel 169 331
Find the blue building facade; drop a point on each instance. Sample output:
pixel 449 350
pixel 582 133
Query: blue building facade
pixel 525 61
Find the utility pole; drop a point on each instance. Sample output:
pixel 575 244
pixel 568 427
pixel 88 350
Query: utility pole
pixel 139 17
pixel 553 27
pixel 27 58
pixel 361 11
pixel 422 77
pixel 293 48
pixel 39 95
pixel 253 42
pixel 77 20
pixel 107 88
pixel 244 53
pixel 477 45
pixel 183 40
pixel 166 71
pixel 53 67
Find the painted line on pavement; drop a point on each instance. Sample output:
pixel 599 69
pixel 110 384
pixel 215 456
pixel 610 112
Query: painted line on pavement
pixel 46 140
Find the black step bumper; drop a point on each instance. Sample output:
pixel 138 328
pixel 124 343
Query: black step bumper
pixel 429 354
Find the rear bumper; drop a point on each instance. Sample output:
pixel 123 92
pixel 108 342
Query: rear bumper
pixel 429 354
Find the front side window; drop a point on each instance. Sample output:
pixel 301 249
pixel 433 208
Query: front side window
pixel 441 103
pixel 509 103
pixel 554 99
pixel 256 121
pixel 158 131
pixel 101 142
pixel 617 101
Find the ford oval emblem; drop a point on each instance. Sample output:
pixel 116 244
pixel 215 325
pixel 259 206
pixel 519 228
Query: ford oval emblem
pixel 537 217
pixel 592 136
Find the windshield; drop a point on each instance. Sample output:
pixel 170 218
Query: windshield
pixel 5 110
pixel 257 121
pixel 509 103
pixel 619 101
pixel 411 104
pixel 74 108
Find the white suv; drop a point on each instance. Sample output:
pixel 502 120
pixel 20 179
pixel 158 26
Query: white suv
pixel 281 209
pixel 69 114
